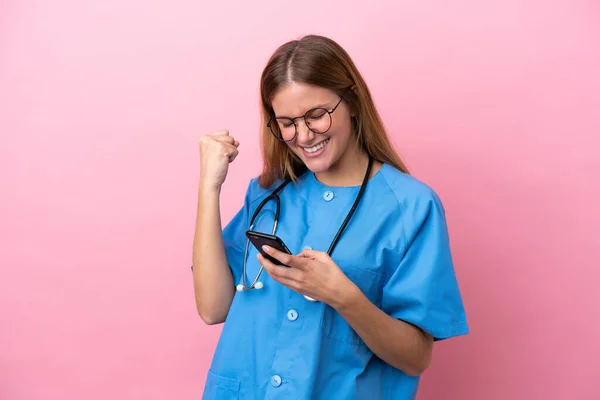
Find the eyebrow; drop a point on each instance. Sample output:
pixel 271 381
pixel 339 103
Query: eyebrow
pixel 317 106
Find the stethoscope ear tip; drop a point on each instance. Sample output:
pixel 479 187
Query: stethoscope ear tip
pixel 239 287
pixel 258 285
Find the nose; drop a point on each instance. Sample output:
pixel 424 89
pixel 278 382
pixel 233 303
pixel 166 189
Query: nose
pixel 304 135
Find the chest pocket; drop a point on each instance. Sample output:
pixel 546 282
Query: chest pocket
pixel 334 325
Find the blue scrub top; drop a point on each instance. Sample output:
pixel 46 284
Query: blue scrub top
pixel 277 345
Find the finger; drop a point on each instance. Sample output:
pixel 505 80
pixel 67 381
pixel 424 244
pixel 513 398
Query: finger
pixel 230 151
pixel 232 157
pixel 304 254
pixel 225 139
pixel 295 283
pixel 291 284
pixel 219 133
pixel 314 255
pixel 285 258
pixel 279 272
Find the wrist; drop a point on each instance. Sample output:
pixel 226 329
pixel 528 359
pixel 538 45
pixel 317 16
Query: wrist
pixel 208 188
pixel 347 297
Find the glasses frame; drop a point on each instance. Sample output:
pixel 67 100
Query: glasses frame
pixel 280 137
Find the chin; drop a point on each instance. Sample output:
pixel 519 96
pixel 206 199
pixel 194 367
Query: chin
pixel 320 162
pixel 317 166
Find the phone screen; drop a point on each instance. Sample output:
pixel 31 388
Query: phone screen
pixel 259 239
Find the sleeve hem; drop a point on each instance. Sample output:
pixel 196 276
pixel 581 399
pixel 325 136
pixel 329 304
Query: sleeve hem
pixel 440 331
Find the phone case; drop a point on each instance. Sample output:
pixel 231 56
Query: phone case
pixel 259 239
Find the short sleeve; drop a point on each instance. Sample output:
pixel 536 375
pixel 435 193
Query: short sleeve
pixel 423 289
pixel 234 237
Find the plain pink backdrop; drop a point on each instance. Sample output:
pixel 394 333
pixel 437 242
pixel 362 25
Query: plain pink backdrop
pixel 495 104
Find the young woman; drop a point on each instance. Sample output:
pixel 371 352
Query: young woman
pixel 369 284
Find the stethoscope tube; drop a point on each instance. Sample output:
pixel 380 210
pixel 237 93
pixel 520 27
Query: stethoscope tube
pixel 256 284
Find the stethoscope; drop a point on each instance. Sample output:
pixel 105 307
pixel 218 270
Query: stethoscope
pixel 256 284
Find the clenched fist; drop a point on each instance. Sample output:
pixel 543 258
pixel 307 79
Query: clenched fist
pixel 217 150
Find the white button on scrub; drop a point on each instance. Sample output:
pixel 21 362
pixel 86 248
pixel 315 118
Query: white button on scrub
pixel 276 380
pixel 292 315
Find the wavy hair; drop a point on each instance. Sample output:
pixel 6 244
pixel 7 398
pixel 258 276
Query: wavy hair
pixel 319 61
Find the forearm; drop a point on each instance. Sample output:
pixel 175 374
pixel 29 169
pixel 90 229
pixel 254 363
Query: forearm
pixel 213 282
pixel 396 342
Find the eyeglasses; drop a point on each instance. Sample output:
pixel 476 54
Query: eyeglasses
pixel 316 119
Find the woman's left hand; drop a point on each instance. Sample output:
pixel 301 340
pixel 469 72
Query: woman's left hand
pixel 311 273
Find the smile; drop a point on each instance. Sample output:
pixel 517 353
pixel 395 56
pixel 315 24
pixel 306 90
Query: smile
pixel 315 148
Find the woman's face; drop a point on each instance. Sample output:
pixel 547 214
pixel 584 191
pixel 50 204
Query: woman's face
pixel 319 151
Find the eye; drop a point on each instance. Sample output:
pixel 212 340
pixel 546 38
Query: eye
pixel 284 122
pixel 317 114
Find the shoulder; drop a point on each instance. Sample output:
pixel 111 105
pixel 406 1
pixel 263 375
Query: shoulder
pixel 255 192
pixel 419 208
pixel 410 192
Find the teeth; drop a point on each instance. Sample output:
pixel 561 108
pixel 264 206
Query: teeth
pixel 317 147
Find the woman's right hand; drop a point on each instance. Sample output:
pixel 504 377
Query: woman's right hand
pixel 217 150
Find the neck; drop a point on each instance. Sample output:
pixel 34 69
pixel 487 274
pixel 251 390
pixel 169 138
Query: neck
pixel 349 170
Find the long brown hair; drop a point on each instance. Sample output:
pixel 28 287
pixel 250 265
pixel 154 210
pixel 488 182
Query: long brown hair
pixel 319 61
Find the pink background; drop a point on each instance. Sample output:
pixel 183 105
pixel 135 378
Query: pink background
pixel 494 104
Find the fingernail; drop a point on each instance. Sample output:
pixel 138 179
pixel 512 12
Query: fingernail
pixel 266 248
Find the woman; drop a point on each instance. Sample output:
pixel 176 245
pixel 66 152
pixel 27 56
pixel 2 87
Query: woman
pixel 355 311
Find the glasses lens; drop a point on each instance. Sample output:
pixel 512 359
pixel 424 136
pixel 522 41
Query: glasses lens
pixel 283 128
pixel 318 120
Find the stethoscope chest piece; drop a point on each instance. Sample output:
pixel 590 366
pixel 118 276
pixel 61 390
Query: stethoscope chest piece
pixel 257 286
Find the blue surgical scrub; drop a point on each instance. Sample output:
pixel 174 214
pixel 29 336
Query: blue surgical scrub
pixel 277 345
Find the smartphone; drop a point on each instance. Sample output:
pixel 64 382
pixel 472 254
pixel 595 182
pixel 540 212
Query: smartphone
pixel 260 239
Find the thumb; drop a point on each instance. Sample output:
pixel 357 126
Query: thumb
pixel 314 254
